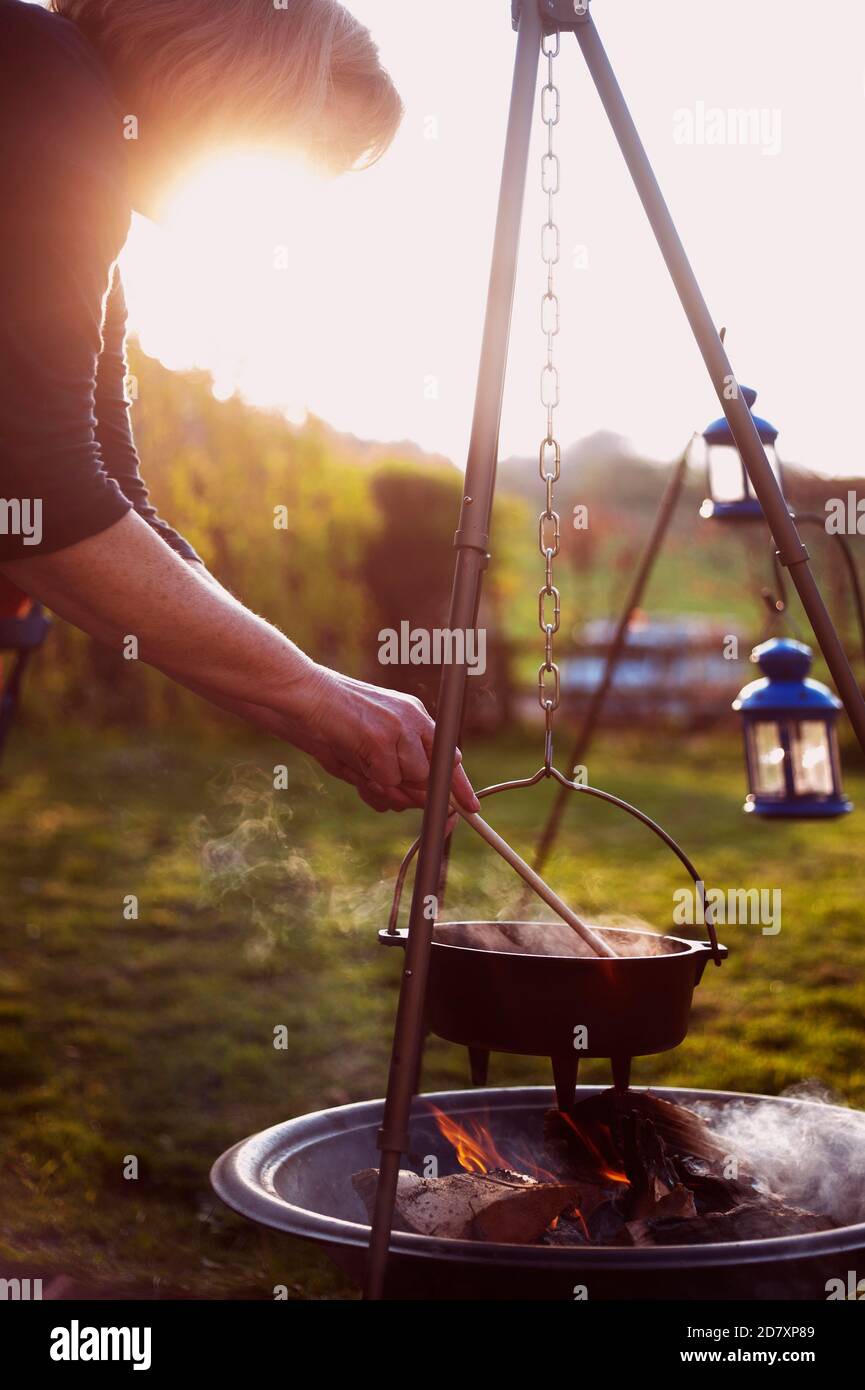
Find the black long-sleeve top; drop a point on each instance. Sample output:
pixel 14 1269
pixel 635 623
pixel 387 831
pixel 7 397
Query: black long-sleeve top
pixel 65 435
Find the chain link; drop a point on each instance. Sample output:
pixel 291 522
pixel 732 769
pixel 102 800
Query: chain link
pixel 550 456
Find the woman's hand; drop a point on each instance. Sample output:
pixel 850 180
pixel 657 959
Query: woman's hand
pixel 378 740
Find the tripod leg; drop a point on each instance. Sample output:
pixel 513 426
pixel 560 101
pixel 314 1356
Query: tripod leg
pixel 471 542
pixel 791 551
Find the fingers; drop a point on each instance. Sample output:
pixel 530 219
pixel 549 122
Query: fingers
pixel 378 797
pixel 377 800
pixel 461 786
pixel 381 743
pixel 427 733
pixel 385 798
pixel 413 758
pixel 463 790
pixel 407 786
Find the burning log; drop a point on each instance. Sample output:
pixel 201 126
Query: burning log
pixel 652 1144
pixel 681 1129
pixel 711 1191
pixel 755 1220
pixel 494 1206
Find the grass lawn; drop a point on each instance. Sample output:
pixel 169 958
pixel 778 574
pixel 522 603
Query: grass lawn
pixel 153 1037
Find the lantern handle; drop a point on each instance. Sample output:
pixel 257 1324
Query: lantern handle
pixel 542 772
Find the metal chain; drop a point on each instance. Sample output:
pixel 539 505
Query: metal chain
pixel 550 457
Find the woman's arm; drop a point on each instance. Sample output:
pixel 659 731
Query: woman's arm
pixel 114 436
pixel 126 583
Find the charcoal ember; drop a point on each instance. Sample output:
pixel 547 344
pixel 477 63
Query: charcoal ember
pixel 508 1176
pixel 606 1223
pixel 598 1224
pixel 499 1206
pixel 755 1220
pixel 568 1230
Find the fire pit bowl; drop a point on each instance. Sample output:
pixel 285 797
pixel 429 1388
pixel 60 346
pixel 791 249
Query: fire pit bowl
pixel 530 1001
pixel 297 1178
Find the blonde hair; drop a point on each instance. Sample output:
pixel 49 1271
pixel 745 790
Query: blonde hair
pixel 304 70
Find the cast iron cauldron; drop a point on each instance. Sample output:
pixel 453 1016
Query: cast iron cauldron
pixel 296 1178
pixel 509 1001
pixel 519 1001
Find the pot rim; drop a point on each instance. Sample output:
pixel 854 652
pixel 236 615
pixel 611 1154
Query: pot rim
pixel 688 947
pixel 244 1178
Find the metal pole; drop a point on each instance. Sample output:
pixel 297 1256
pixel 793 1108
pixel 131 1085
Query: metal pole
pixel 614 655
pixel 471 542
pixel 791 551
pixel 815 519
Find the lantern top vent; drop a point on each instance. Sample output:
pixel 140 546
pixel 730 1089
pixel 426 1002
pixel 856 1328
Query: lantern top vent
pixel 719 431
pixel 784 687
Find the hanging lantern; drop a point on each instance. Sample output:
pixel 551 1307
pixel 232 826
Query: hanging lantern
pixel 791 744
pixel 731 496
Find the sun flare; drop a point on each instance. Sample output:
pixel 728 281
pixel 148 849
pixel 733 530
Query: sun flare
pixel 228 280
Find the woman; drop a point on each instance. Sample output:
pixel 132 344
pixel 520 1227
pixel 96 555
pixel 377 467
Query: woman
pixel 102 104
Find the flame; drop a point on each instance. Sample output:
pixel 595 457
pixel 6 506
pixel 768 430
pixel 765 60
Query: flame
pixel 577 1215
pixel 602 1163
pixel 573 1215
pixel 476 1150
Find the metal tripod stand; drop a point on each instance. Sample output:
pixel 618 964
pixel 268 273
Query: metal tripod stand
pixel 534 18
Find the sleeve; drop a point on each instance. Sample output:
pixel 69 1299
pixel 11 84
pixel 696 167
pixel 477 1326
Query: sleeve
pixel 113 429
pixel 63 220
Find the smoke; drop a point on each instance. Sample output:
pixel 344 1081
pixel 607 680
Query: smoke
pixel 357 906
pixel 249 864
pixel 813 1154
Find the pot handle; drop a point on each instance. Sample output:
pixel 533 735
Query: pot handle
pixel 524 782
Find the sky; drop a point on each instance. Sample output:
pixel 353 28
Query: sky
pixel 362 300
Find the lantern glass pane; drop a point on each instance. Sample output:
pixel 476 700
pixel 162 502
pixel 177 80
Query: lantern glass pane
pixel 812 758
pixel 728 481
pixel 767 758
pixel 726 475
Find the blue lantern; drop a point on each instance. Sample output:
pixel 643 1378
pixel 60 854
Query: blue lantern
pixel 731 497
pixel 791 743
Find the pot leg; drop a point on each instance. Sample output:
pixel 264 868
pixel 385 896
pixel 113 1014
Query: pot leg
pixel 622 1073
pixel 479 1061
pixel 565 1069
